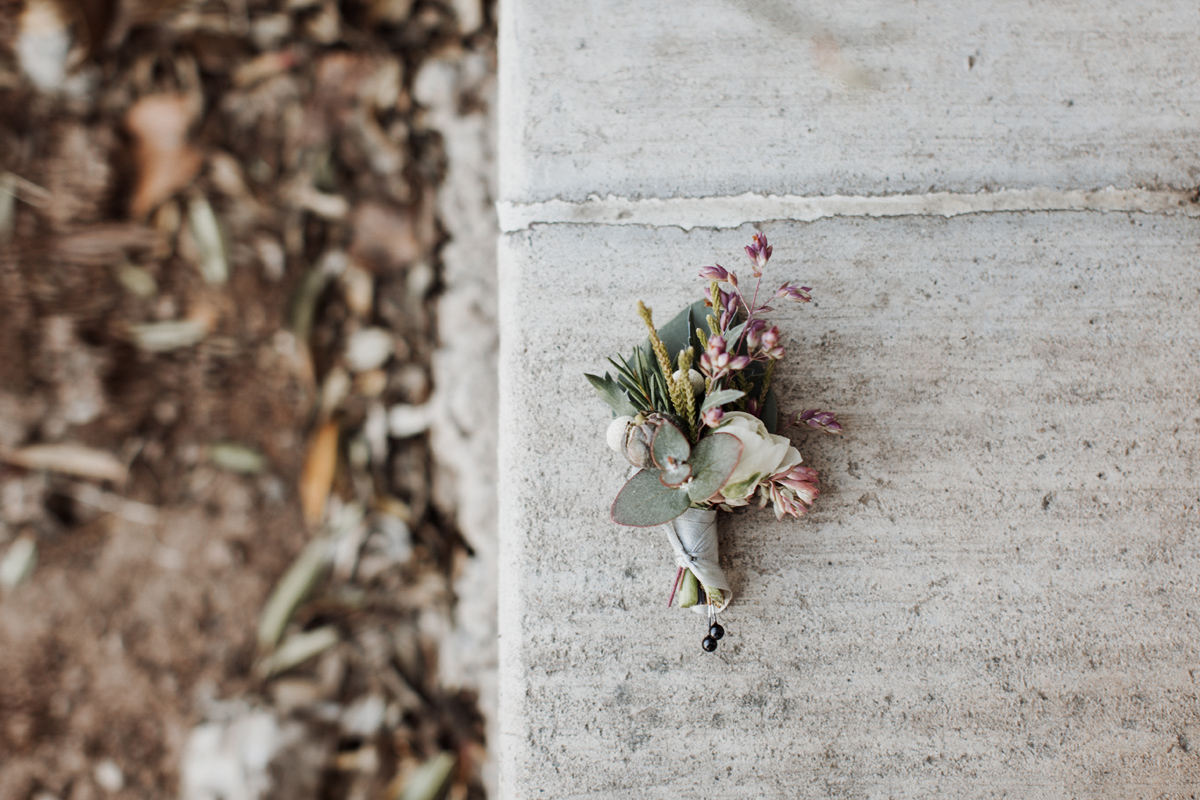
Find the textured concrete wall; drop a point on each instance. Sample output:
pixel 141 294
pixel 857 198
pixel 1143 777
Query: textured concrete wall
pixel 996 595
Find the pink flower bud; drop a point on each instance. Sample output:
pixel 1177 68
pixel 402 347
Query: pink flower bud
pixel 759 252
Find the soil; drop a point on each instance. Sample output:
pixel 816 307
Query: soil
pixel 198 364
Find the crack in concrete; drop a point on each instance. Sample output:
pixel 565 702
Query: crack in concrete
pixel 735 211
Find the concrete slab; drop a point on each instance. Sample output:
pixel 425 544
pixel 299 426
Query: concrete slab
pixel 722 97
pixel 996 594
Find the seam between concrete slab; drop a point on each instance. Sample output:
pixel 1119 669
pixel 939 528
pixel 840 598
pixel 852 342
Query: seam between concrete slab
pixel 735 211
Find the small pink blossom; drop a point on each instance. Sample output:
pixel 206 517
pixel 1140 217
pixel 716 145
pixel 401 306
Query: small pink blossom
pixel 794 291
pixel 714 273
pixel 716 363
pixel 759 252
pixel 792 492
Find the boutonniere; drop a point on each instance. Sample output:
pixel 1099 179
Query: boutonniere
pixel 697 418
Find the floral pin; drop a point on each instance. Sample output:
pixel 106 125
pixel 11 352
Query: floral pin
pixel 702 432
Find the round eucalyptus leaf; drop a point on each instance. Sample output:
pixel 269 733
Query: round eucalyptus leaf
pixel 713 460
pixel 644 501
pixel 674 477
pixel 670 446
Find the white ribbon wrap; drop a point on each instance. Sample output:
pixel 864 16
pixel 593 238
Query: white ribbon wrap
pixel 693 537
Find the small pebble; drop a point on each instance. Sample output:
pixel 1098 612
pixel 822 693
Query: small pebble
pixel 108 775
pixel 405 421
pixel 368 349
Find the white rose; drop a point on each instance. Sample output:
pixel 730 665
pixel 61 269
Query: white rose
pixel 763 454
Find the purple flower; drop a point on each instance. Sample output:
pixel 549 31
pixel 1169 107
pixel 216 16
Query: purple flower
pixel 793 491
pixel 716 363
pixel 714 273
pixel 771 348
pixel 759 252
pixel 793 291
pixel 725 301
pixel 821 420
pixel 754 331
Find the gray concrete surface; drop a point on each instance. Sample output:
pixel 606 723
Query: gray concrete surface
pixel 721 97
pixel 996 595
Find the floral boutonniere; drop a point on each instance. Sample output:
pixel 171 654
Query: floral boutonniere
pixel 696 416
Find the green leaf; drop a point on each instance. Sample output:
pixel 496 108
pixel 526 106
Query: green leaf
pixel 770 411
pixel 743 488
pixel 732 334
pixel 721 398
pixel 678 333
pixel 713 460
pixel 611 393
pixel 714 596
pixel 669 443
pixel 675 477
pixel 624 370
pixel 689 591
pixel 646 374
pixel 644 502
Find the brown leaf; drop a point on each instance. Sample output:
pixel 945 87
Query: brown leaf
pixel 317 478
pixel 384 237
pixel 71 459
pixel 100 245
pixel 266 65
pixel 166 162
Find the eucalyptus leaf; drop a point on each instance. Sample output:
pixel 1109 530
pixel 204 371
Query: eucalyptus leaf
pixel 644 502
pixel 674 478
pixel 689 590
pixel 669 444
pixel 721 398
pixel 713 460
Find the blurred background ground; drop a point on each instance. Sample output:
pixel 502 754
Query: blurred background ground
pixel 246 443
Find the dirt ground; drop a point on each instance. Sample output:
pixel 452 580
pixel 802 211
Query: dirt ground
pixel 218 275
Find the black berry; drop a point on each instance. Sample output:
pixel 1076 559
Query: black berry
pixel 716 631
pixel 709 643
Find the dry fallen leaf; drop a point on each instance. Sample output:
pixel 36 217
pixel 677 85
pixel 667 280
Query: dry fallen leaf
pixel 427 780
pixel 266 65
pixel 101 245
pixel 18 563
pixel 163 337
pixel 384 237
pixel 317 478
pixel 165 161
pixel 291 591
pixel 72 459
pixel 209 241
pixel 297 649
